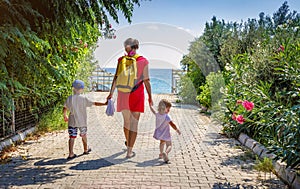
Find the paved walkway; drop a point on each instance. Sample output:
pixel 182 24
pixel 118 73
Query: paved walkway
pixel 201 158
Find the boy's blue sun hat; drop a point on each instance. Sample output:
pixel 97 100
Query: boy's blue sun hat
pixel 78 84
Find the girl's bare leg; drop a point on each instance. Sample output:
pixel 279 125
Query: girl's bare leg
pixel 161 148
pixel 169 147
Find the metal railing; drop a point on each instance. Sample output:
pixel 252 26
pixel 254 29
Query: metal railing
pixel 17 118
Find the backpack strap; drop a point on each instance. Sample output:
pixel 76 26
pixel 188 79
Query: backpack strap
pixel 140 80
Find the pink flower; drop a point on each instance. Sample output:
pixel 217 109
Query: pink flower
pixel 85 45
pixel 281 48
pixel 240 119
pixel 233 116
pixel 248 105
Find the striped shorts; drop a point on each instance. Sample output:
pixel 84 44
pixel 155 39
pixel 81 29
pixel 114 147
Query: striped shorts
pixel 73 131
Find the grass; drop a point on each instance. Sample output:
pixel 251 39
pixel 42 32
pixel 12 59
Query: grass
pixel 51 121
pixel 265 165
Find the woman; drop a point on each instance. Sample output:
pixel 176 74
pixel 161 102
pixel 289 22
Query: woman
pixel 131 104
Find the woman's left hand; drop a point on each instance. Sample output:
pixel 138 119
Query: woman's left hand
pixel 150 102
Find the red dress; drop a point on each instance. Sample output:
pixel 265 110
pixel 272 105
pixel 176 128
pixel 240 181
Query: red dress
pixel 134 101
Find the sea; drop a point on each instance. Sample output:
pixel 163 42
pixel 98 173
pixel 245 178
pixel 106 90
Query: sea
pixel 160 79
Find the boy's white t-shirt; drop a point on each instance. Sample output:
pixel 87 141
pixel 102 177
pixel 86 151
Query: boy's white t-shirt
pixel 77 105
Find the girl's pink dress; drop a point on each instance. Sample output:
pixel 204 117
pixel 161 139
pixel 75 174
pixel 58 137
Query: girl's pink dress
pixel 162 130
pixel 134 101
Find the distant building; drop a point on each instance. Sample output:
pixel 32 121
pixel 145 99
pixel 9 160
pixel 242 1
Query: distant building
pixel 101 80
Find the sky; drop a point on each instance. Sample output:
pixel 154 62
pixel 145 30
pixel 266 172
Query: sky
pixel 193 14
pixel 165 28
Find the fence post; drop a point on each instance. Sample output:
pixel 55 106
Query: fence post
pixel 13 123
pixel 3 122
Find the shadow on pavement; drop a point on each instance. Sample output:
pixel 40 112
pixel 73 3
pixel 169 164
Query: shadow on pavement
pixel 150 163
pixel 228 185
pixel 16 174
pixel 92 164
pixel 60 161
pixel 100 163
pixel 45 162
pixel 267 184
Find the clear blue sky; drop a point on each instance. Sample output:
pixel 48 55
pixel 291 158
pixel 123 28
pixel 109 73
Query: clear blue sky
pixel 193 14
pixel 162 25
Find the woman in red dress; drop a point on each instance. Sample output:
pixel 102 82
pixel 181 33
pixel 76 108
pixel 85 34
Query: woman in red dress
pixel 132 104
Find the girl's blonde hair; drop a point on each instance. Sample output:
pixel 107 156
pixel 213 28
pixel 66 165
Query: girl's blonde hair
pixel 163 104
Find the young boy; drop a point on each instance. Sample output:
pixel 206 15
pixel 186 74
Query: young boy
pixel 77 104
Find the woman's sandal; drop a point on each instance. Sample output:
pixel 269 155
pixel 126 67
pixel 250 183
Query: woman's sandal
pixel 133 154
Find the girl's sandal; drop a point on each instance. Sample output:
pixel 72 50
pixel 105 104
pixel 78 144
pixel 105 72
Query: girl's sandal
pixel 165 157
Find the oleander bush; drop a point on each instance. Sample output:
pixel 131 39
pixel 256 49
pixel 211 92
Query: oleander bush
pixel 260 63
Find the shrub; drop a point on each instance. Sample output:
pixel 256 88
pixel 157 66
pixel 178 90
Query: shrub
pixel 187 90
pixel 52 120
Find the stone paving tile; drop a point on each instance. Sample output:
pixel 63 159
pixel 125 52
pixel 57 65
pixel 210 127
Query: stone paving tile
pixel 200 158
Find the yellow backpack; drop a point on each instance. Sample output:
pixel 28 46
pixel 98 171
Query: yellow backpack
pixel 127 74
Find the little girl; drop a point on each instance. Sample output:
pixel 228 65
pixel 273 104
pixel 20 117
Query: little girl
pixel 162 130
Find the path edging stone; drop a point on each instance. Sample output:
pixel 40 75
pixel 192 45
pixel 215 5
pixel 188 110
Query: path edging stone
pixel 286 174
pixel 18 137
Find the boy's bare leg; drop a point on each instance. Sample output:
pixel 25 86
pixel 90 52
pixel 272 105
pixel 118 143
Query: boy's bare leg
pixel 84 142
pixel 71 147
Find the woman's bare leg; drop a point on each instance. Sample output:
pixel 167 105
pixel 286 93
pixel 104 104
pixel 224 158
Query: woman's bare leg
pixel 126 118
pixel 134 120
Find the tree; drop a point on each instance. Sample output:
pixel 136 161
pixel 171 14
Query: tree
pixel 45 44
